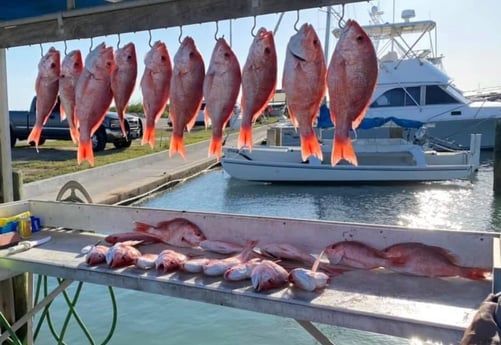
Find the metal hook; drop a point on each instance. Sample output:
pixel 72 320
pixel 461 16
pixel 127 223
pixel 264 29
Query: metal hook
pixel 297 21
pixel 65 48
pixel 217 30
pixel 41 50
pixel 339 23
pixel 180 33
pixel 91 44
pixel 252 30
pixel 149 42
pixel 118 43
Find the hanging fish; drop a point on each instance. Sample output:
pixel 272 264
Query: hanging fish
pixel 93 97
pixel 259 79
pixel 186 93
pixel 123 80
pixel 221 87
pixel 351 79
pixel 71 69
pixel 304 85
pixel 46 88
pixel 155 86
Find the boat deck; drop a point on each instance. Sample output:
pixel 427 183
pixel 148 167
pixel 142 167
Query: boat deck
pixel 376 301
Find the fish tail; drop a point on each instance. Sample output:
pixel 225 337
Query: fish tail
pixel 474 273
pixel 122 123
pixel 245 137
pixel 62 113
pixel 149 136
pixel 310 147
pixel 34 136
pixel 177 146
pixel 142 227
pixel 343 149
pixel 85 152
pixel 74 135
pixel 216 147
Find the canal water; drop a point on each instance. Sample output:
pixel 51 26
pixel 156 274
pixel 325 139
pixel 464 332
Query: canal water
pixel 152 319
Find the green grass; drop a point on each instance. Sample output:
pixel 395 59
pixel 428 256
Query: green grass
pixel 58 157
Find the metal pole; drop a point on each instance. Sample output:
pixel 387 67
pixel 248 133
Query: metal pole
pixel 327 33
pixel 5 152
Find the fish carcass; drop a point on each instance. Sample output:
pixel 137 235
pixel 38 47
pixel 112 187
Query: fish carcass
pixel 309 280
pixel 169 261
pixel 268 275
pixel 221 247
pixel 217 267
pixel 429 261
pixel 221 88
pixel 123 254
pixel 186 93
pixel 355 254
pixel 179 232
pixel 95 255
pixel 259 79
pixel 241 271
pixel 351 79
pixel 123 80
pixel 155 87
pixel 46 88
pixel 93 97
pixel 304 81
pixel 71 69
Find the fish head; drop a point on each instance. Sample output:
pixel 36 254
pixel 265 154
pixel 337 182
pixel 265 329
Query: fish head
pixel 263 46
pixel 222 54
pixel 50 63
pixel 157 58
pixel 72 64
pixel 126 56
pixel 188 57
pixel 305 45
pixel 193 236
pixel 354 40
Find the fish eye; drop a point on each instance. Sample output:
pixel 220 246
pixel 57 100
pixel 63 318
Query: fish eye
pixel 315 42
pixel 129 57
pixel 53 65
pixel 360 38
pixel 267 50
pixel 163 58
pixel 226 55
pixel 192 54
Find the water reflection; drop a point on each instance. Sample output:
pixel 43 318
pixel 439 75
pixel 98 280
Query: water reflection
pixel 459 205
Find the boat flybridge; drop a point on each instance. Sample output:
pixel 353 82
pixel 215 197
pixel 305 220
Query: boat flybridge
pixel 413 89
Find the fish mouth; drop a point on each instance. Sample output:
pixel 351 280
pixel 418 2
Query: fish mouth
pixel 297 56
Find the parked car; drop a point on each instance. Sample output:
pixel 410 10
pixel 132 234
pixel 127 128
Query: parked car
pixel 21 123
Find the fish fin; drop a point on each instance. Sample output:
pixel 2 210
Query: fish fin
pixel 177 146
pixel 191 123
pixel 314 268
pixel 245 137
pixel 142 227
pixel 398 261
pixel 149 136
pixel 292 117
pixel 75 135
pixel 85 152
pixel 310 147
pixel 343 149
pixel 62 113
pixel 122 124
pixel 331 271
pixel 206 118
pixel 216 147
pixel 34 136
pixel 474 273
pixel 360 117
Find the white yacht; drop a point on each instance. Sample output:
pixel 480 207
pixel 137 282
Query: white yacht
pixel 414 90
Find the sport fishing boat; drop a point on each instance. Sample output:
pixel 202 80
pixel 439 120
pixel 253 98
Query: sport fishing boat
pixel 413 89
pixel 380 160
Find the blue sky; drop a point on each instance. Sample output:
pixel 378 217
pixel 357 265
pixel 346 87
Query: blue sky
pixel 468 35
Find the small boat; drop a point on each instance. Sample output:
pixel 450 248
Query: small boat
pixel 380 160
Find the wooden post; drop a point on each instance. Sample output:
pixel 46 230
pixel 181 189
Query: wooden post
pixel 497 159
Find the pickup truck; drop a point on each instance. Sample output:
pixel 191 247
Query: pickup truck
pixel 21 123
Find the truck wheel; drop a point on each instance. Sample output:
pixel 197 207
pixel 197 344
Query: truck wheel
pixel 13 139
pixel 99 140
pixel 124 142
